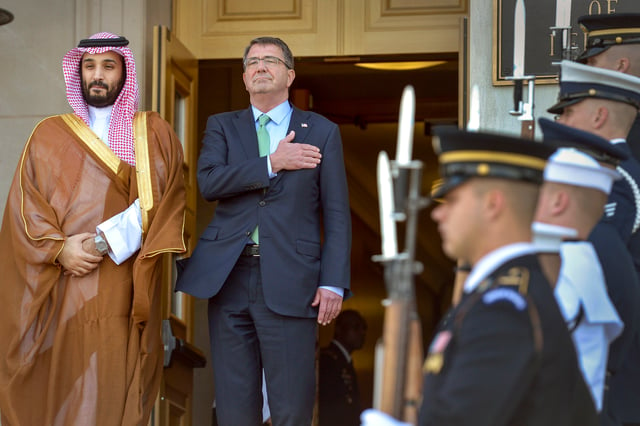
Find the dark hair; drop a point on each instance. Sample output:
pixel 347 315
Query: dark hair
pixel 348 319
pixel 286 52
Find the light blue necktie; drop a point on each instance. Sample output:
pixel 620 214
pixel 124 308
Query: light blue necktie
pixel 264 146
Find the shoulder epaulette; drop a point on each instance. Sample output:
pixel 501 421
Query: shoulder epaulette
pixel 502 288
pixel 505 286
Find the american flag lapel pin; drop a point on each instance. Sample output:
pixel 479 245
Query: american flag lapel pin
pixel 304 125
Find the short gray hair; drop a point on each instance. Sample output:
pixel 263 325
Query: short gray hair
pixel 286 52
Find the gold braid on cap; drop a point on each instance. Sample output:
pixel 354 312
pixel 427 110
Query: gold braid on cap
pixel 521 160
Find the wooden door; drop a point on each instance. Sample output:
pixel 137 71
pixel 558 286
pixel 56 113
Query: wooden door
pixel 175 84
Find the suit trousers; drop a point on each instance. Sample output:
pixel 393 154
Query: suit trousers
pixel 247 336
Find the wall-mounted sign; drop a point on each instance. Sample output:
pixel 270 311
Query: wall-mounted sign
pixel 540 49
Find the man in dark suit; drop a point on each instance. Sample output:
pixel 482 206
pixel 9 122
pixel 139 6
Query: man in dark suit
pixel 275 258
pixel 338 392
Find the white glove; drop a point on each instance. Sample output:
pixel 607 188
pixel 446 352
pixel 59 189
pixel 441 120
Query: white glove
pixel 373 417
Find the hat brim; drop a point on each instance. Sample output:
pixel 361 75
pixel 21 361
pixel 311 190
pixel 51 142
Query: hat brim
pixel 448 185
pixel 559 107
pixel 590 52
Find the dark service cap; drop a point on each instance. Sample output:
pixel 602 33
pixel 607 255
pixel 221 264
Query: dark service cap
pixel 463 155
pixel 591 144
pixel 604 31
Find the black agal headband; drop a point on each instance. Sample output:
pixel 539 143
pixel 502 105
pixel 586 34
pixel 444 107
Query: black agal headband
pixel 103 42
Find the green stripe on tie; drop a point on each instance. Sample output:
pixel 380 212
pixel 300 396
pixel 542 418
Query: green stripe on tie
pixel 264 146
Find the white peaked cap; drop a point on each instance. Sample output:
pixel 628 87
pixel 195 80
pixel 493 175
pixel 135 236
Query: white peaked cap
pixel 573 167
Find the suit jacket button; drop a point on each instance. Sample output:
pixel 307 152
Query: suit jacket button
pixel 262 203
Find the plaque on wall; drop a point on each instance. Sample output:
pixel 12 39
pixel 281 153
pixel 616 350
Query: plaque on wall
pixel 541 48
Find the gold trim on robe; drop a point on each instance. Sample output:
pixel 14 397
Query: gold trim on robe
pixel 88 348
pixel 143 166
pixel 93 142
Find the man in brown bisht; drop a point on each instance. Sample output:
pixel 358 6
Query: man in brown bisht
pixel 97 197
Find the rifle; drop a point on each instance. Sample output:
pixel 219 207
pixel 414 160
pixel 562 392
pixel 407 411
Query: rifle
pixel 399 355
pixel 561 36
pixel 522 110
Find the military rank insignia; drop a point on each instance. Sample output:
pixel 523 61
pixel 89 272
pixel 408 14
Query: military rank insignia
pixel 435 358
pixel 516 277
pixel 610 209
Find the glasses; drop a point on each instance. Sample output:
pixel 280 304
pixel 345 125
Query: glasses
pixel 269 62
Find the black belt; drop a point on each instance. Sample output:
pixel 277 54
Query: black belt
pixel 251 250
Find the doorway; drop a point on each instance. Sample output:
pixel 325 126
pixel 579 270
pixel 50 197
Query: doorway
pixel 365 103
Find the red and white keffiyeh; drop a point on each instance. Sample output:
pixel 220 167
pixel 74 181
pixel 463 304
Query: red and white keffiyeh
pixel 121 123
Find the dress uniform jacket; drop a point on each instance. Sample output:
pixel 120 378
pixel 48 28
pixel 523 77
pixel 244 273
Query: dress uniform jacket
pixel 503 355
pixel 634 139
pixel 623 206
pixel 623 213
pixel 338 393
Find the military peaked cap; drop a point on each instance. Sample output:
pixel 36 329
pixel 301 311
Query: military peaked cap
pixel 591 144
pixel 463 155
pixel 577 161
pixel 579 82
pixel 604 31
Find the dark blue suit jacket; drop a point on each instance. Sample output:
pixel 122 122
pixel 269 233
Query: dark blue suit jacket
pixel 303 215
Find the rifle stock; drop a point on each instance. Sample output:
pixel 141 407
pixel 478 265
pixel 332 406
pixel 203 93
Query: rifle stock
pixel 398 381
pixel 394 340
pixel 399 386
pixel 527 130
pixel 415 359
pixel 403 355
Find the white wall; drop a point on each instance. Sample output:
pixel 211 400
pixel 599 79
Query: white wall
pixel 496 101
pixel 31 84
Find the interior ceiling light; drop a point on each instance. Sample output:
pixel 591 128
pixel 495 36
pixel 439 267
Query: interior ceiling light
pixel 5 16
pixel 399 66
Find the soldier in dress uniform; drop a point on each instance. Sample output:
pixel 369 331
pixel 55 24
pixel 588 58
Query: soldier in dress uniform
pixel 503 355
pixel 338 393
pixel 606 102
pixel 613 42
pixel 577 180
